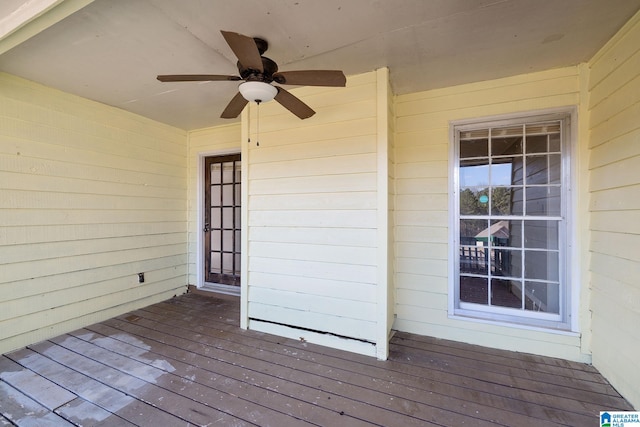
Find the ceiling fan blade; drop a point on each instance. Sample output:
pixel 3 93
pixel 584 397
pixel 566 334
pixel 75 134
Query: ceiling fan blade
pixel 245 49
pixel 334 78
pixel 293 104
pixel 235 107
pixel 196 78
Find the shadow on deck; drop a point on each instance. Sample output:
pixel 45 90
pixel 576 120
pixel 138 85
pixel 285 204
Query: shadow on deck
pixel 186 362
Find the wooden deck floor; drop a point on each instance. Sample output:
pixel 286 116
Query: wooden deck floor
pixel 186 362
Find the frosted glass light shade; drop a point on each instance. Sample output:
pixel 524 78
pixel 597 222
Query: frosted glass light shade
pixel 257 91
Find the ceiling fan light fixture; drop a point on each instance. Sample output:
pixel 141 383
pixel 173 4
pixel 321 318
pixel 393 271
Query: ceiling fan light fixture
pixel 257 91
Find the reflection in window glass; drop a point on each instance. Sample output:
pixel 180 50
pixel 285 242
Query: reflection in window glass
pixel 543 201
pixel 541 235
pixel 474 148
pixel 543 138
pixel 506 262
pixel 474 290
pixel 543 297
pixel 502 201
pixel 543 169
pixel 510 188
pixel 474 201
pixel 506 146
pixel 542 265
pixel 474 173
pixel 506 293
pixel 502 172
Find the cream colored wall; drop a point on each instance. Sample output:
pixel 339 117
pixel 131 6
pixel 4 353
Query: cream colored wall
pixel 219 140
pixel 614 167
pixel 313 206
pixel 422 206
pixel 89 197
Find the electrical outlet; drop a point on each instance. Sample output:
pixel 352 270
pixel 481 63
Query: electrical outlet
pixel 140 277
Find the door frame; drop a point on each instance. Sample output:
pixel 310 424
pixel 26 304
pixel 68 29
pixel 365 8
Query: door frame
pixel 200 281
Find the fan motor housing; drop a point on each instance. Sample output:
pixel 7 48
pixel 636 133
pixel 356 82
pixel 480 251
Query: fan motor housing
pixel 269 66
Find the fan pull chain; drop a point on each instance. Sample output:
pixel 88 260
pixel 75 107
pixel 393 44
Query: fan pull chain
pixel 249 128
pixel 258 125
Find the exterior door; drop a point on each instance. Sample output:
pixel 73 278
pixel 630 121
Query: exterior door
pixel 222 220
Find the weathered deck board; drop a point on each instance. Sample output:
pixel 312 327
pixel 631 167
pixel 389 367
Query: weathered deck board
pixel 408 392
pixel 186 362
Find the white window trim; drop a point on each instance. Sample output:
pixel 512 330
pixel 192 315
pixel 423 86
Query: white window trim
pixel 571 270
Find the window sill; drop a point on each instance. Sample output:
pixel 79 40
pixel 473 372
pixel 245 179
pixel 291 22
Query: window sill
pixel 558 328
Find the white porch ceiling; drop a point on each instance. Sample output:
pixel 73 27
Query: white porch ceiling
pixel 111 50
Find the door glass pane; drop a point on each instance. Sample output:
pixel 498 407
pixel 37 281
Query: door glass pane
pixel 227 195
pixel 227 263
pixel 238 194
pixel 237 264
pixel 237 213
pixel 215 195
pixel 227 172
pixel 216 262
pixel 238 172
pixel 216 217
pixel 237 242
pixel 227 240
pixel 215 173
pixel 227 218
pixel 215 240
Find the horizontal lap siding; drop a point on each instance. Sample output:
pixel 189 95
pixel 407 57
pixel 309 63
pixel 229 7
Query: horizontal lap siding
pixel 210 141
pixel 312 203
pixel 91 196
pixel 422 203
pixel 615 209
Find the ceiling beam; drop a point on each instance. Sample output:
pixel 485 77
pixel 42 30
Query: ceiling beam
pixel 33 17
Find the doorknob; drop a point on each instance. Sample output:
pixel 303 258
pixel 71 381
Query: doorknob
pixel 206 227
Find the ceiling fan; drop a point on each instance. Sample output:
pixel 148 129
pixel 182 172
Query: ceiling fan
pixel 258 73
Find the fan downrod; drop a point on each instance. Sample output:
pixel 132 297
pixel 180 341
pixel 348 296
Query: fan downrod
pixel 261 44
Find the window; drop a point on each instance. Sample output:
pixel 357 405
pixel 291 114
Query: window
pixel 510 229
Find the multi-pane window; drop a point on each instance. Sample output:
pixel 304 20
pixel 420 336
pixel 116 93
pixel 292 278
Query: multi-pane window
pixel 511 206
